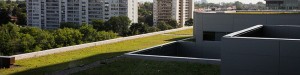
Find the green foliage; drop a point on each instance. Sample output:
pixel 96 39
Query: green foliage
pixel 15 39
pixel 102 35
pixel 145 13
pixel 88 33
pixel 4 16
pixel 44 39
pixel 153 29
pixel 60 61
pixel 99 25
pixel 163 26
pixel 69 25
pixel 14 10
pixel 67 37
pixel 189 22
pixel 239 5
pixel 139 28
pixel 27 43
pixel 9 39
pixel 119 25
pixel 173 23
pixel 22 19
pixel 145 9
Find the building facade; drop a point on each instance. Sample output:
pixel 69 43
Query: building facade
pixel 262 50
pixel 210 27
pixel 179 10
pixel 48 14
pixel 283 4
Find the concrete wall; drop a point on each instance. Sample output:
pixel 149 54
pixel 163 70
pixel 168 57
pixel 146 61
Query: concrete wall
pixel 77 47
pixel 189 49
pixel 262 55
pixel 282 31
pixel 164 50
pixel 174 51
pixel 222 22
pixel 242 56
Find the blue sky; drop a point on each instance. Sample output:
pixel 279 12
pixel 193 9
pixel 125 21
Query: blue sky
pixel 219 1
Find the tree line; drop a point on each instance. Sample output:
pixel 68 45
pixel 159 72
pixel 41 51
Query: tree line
pixel 239 5
pixel 17 39
pixel 13 12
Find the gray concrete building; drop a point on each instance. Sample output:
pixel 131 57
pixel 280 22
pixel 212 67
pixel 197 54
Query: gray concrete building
pixel 243 43
pixel 210 27
pixel 262 50
pixel 243 56
pixel 283 4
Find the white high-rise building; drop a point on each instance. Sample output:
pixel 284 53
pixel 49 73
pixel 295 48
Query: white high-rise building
pixel 179 10
pixel 48 14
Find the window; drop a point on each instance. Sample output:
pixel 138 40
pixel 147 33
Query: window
pixel 213 36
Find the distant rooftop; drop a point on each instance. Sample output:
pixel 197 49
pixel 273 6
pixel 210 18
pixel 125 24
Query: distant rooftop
pixel 256 12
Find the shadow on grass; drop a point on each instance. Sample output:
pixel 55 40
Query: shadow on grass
pixel 71 64
pixel 66 65
pixel 180 38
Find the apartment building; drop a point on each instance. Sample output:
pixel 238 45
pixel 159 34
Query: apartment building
pixel 48 14
pixel 283 4
pixel 179 10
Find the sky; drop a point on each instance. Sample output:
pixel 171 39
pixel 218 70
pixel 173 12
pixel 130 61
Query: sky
pixel 219 1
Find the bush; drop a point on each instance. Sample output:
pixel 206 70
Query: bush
pixel 189 22
pixel 67 37
pixel 102 35
pixel 118 25
pixel 139 28
pixel 88 33
pixel 99 25
pixel 16 39
pixel 173 23
pixel 163 26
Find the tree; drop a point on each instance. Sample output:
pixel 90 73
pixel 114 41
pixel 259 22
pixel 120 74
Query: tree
pixel 163 26
pixel 173 23
pixel 4 16
pixel 139 28
pixel 102 35
pixel 44 39
pixel 67 37
pixel 149 20
pixel 145 13
pixel 89 33
pixel 9 40
pixel 99 25
pixel 189 22
pixel 22 19
pixel 153 29
pixel 239 5
pixel 69 25
pixel 260 3
pixel 27 43
pixel 119 25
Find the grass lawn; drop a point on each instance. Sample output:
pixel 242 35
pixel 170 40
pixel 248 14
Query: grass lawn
pixel 60 61
pixel 183 32
pixel 128 66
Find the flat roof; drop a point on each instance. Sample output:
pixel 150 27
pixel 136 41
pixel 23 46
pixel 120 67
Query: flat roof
pixel 255 12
